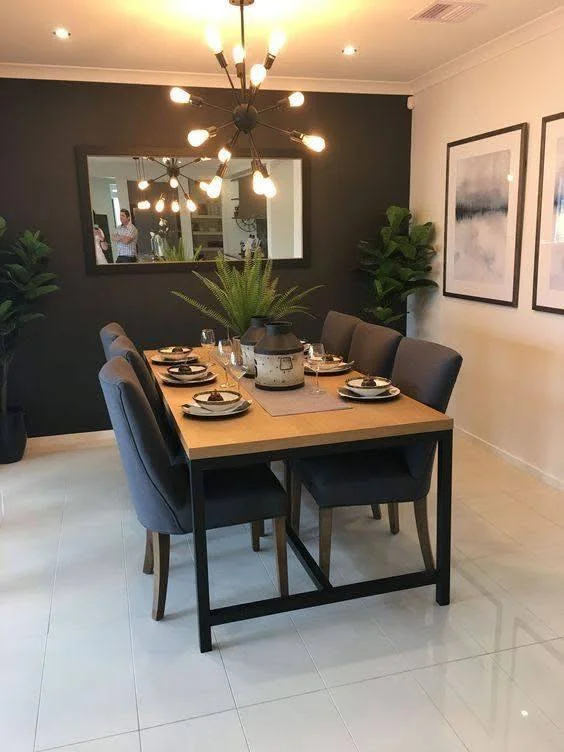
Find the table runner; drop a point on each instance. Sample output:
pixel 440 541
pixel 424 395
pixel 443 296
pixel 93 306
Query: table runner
pixel 295 401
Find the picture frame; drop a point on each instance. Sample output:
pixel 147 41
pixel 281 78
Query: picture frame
pixel 548 279
pixel 484 203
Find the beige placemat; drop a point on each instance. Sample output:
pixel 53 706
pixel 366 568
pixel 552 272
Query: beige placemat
pixel 295 401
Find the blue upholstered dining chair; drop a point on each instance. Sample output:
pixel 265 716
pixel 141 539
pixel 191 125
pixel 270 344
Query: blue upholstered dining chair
pixel 160 491
pixel 108 333
pixel 373 349
pixel 337 332
pixel 426 372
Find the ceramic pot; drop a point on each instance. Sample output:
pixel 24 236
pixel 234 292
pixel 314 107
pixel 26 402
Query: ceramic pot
pixel 279 358
pixel 13 436
pixel 254 333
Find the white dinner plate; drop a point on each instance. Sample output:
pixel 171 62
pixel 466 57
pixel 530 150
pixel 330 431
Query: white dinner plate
pixel 332 371
pixel 390 394
pixel 159 361
pixel 211 377
pixel 195 411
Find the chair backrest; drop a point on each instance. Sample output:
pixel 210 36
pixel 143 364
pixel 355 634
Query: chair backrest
pixel 159 491
pixel 373 349
pixel 108 333
pixel 337 332
pixel 123 347
pixel 426 372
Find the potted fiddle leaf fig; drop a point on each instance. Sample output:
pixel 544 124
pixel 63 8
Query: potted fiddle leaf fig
pixel 245 293
pixel 397 264
pixel 24 281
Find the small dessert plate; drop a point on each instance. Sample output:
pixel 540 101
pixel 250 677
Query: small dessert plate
pixel 174 352
pixel 368 386
pixel 209 378
pixel 391 393
pixel 193 410
pixel 217 400
pixel 187 373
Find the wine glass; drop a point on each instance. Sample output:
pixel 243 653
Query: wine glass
pixel 224 350
pixel 237 367
pixel 207 341
pixel 315 355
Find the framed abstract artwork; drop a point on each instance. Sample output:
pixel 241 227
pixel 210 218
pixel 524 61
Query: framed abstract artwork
pixel 548 287
pixel 485 192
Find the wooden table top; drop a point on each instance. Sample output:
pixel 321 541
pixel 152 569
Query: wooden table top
pixel 258 431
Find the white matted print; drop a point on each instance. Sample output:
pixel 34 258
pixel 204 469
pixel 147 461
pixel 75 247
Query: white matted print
pixel 484 215
pixel 548 293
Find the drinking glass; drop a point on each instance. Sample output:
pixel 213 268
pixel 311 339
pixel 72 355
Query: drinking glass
pixel 207 341
pixel 237 367
pixel 224 350
pixel 314 360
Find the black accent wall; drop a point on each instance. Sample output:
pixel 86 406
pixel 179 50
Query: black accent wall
pixel 364 169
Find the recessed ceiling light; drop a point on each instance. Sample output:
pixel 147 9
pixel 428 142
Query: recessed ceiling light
pixel 349 50
pixel 61 33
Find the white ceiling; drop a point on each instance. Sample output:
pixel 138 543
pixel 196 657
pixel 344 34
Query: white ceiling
pixel 166 36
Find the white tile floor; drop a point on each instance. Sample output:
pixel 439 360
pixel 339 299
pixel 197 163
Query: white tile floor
pixel 83 668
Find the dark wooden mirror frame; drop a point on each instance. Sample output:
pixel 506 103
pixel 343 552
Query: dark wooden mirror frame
pixel 82 154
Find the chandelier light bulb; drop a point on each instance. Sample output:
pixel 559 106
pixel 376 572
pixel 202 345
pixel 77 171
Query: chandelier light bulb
pixel 315 143
pixel 143 205
pixel 214 188
pixel 198 137
pixel 238 54
pixel 224 155
pixel 160 205
pixel 180 96
pixel 204 185
pixel 190 205
pixel 296 99
pixel 175 206
pixel 268 187
pixel 143 185
pixel 258 180
pixel 276 42
pixel 258 74
pixel 213 40
pixel 173 182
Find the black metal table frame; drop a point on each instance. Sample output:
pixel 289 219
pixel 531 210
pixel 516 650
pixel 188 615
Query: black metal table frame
pixel 325 592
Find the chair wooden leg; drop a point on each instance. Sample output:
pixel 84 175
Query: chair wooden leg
pixel 376 511
pixel 262 531
pixel 295 501
pixel 422 522
pixel 393 516
pixel 161 551
pixel 255 535
pixel 281 554
pixel 325 526
pixel 148 563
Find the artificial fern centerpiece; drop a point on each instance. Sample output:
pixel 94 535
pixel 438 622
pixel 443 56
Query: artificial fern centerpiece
pixel 242 293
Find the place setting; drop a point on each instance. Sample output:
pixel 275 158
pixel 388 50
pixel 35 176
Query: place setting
pixel 368 389
pixel 174 354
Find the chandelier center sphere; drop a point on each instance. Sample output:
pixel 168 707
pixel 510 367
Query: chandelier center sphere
pixel 245 117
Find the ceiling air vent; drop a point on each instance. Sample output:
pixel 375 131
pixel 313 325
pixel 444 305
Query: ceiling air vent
pixel 447 12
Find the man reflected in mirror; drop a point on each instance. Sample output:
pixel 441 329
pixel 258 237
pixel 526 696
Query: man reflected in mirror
pixel 126 239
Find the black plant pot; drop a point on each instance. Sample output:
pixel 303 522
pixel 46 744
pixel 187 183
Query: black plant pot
pixel 13 436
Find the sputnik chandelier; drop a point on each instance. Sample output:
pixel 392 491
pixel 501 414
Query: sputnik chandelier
pixel 173 167
pixel 244 116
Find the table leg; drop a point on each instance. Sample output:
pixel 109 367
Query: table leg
pixel 444 493
pixel 200 557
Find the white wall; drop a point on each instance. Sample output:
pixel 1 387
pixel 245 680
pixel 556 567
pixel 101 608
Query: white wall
pixel 284 210
pixel 511 388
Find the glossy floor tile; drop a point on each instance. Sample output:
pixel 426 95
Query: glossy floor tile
pixel 85 669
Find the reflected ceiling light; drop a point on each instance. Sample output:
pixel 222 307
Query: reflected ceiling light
pixel 173 172
pixel 244 115
pixel 349 50
pixel 61 33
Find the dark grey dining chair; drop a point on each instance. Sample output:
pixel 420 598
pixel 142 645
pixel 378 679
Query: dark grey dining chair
pixel 123 347
pixel 160 491
pixel 108 333
pixel 337 332
pixel 373 349
pixel 426 372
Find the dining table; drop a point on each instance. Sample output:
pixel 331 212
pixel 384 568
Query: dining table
pixel 256 436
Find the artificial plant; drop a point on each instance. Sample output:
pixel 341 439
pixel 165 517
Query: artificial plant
pixel 397 264
pixel 244 292
pixel 24 280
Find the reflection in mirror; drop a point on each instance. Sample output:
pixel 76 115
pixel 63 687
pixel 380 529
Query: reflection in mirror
pixel 156 210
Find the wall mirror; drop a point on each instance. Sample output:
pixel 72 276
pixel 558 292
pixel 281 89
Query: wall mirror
pixel 149 210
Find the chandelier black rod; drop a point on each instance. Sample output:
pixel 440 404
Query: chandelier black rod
pixel 275 128
pixel 276 106
pixel 244 66
pixel 235 93
pixel 217 106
